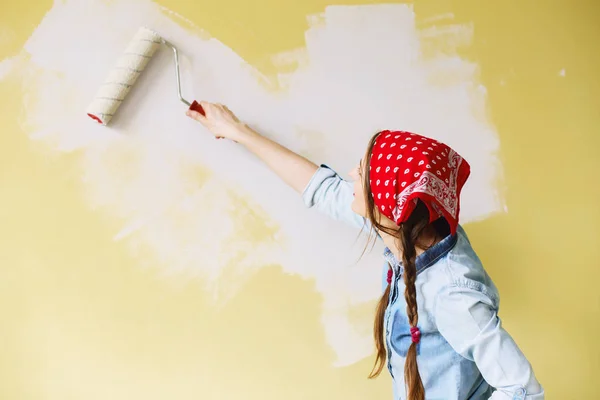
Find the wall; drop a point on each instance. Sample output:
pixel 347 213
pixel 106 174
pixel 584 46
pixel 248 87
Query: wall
pixel 145 260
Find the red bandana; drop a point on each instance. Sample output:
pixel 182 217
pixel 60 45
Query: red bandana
pixel 405 167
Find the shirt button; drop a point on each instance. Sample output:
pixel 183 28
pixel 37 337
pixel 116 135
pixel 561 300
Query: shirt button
pixel 520 394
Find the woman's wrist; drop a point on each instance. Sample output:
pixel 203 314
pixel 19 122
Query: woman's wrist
pixel 246 135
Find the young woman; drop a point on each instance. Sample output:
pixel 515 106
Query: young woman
pixel 442 339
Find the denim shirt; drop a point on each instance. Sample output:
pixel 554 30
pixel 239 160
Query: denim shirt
pixel 464 352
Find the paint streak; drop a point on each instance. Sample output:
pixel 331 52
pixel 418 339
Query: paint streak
pixel 206 207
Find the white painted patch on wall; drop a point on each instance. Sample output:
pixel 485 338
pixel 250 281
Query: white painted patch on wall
pixel 181 195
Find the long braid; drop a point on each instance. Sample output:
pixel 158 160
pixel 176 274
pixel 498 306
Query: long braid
pixel 414 384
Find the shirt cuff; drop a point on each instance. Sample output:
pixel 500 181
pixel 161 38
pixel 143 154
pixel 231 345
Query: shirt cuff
pixel 323 173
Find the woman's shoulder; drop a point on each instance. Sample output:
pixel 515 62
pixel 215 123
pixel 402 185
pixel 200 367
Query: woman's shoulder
pixel 463 267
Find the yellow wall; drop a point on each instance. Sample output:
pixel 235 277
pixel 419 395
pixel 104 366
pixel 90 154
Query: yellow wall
pixel 81 320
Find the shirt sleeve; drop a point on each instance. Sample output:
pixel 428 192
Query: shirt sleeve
pixel 468 320
pixel 327 192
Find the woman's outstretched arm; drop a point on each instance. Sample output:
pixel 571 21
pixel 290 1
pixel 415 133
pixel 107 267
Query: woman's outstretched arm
pixel 292 168
pixel 320 187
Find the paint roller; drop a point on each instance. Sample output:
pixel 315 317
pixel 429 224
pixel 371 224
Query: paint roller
pixel 128 68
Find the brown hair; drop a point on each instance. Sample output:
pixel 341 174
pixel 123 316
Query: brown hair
pixel 409 235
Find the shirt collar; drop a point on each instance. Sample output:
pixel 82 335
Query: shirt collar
pixel 428 257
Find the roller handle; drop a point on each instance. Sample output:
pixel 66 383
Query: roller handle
pixel 197 107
